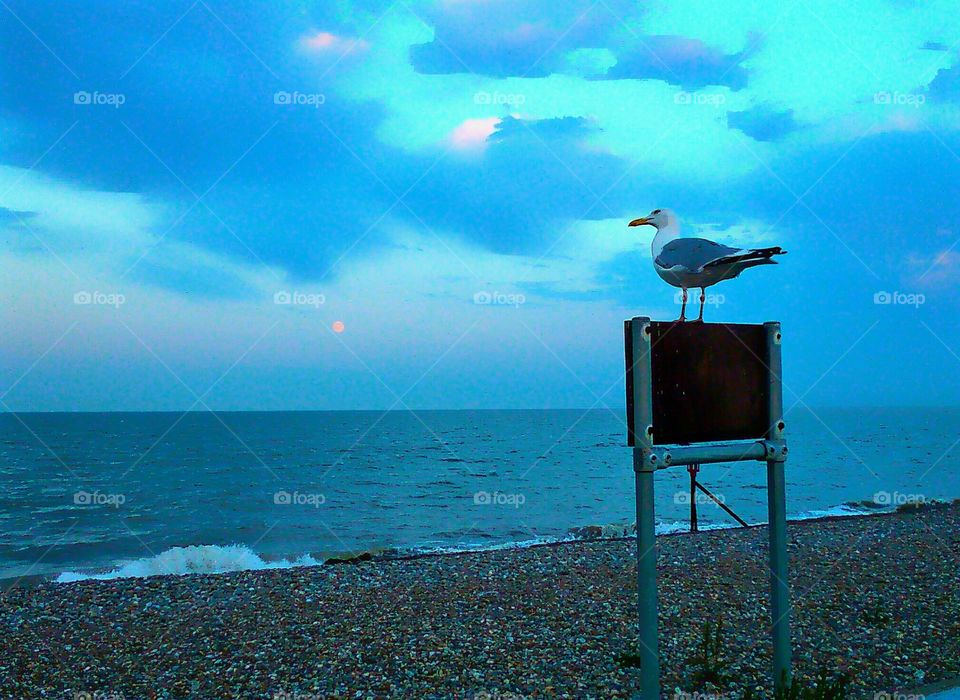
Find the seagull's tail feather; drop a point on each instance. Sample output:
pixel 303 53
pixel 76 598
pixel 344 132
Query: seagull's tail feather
pixel 754 256
pixel 775 250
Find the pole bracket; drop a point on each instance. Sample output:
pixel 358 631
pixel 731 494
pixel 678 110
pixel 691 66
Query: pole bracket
pixel 776 450
pixel 647 459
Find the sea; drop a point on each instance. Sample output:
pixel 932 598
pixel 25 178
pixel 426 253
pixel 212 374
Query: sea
pixel 109 495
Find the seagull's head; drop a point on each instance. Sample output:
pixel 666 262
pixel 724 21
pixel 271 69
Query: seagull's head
pixel 658 218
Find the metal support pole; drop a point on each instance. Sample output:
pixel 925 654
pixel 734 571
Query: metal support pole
pixel 777 515
pixel 779 591
pixel 647 586
pixel 721 504
pixel 692 471
pixel 644 467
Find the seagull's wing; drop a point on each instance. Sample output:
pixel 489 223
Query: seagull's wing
pixel 749 256
pixel 693 253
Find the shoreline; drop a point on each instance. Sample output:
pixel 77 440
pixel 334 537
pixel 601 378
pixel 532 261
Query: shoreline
pixel 398 554
pixel 874 597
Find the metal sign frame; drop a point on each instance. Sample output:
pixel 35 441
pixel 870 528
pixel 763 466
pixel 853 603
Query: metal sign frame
pixel 648 457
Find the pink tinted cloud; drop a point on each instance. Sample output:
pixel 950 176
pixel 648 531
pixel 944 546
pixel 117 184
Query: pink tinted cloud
pixel 471 134
pixel 944 268
pixel 900 122
pixel 527 32
pixel 937 270
pixel 327 42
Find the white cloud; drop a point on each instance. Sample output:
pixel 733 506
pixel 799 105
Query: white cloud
pixel 108 234
pixel 75 217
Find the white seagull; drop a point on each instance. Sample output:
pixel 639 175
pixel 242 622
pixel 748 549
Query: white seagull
pixel 697 262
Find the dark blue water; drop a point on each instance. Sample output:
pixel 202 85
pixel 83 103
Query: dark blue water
pixel 94 492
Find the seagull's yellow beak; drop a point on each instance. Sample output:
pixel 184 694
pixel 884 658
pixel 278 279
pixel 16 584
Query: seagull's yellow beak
pixel 641 222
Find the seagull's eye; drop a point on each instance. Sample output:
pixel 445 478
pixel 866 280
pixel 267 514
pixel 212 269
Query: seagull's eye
pixel 656 211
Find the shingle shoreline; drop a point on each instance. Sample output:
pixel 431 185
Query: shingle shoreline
pixel 875 597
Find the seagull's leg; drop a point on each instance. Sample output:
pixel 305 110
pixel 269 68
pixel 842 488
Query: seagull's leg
pixel 703 297
pixel 683 307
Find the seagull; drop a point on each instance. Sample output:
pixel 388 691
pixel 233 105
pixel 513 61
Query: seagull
pixel 697 262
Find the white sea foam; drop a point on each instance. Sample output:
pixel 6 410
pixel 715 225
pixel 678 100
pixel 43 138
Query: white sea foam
pixel 672 528
pixel 844 510
pixel 195 559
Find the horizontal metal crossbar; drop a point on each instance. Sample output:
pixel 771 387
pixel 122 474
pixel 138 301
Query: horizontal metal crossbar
pixel 646 458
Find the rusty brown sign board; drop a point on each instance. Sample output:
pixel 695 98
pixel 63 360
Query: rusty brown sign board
pixel 710 381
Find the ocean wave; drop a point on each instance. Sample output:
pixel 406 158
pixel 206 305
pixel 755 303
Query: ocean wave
pixel 217 559
pixel 845 510
pixel 195 559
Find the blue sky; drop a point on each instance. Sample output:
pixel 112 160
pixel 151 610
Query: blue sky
pixel 187 167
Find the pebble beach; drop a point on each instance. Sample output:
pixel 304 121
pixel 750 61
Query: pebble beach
pixel 875 598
